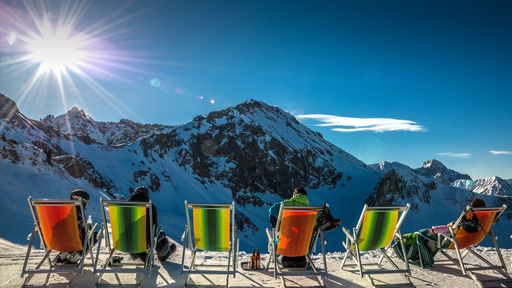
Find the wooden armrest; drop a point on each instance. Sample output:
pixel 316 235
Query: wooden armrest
pixel 348 234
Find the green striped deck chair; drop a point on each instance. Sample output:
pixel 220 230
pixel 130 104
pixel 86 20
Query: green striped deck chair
pixel 376 229
pixel 462 243
pixel 56 224
pixel 212 229
pixel 126 234
pixel 294 231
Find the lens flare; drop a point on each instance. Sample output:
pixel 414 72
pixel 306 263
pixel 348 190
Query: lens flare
pixel 56 50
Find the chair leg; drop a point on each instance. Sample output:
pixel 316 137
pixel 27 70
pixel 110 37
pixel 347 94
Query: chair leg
pixel 184 252
pixel 344 259
pixel 44 258
pixel 100 238
pixel 29 249
pixel 406 256
pixel 323 253
pixel 358 260
pixel 229 264
pixel 274 252
pixel 459 256
pixel 498 251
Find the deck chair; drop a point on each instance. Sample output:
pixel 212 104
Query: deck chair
pixel 56 224
pixel 460 240
pixel 376 229
pixel 296 225
pixel 128 223
pixel 212 229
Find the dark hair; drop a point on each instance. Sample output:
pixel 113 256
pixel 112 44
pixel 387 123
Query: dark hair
pixel 299 190
pixel 477 203
pixel 141 190
pixel 79 193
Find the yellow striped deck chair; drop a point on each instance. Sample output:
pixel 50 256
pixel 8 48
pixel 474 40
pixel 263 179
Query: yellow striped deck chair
pixel 212 229
pixel 56 224
pixel 376 229
pixel 462 243
pixel 292 237
pixel 126 234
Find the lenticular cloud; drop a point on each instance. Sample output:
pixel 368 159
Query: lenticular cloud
pixel 351 124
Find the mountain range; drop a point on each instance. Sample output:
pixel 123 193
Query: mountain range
pixel 252 153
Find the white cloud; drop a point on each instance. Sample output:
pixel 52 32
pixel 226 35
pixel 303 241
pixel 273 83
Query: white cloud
pixel 351 124
pixel 455 155
pixel 500 152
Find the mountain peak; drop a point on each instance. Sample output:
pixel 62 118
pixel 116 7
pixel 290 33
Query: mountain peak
pixel 8 108
pixel 435 169
pixel 77 112
pixel 434 164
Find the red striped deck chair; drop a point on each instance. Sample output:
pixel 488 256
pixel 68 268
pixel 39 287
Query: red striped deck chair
pixel 212 229
pixel 56 224
pixel 463 243
pixel 376 229
pixel 292 237
pixel 126 234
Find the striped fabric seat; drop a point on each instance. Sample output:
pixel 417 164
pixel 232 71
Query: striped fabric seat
pixel 59 227
pixel 377 230
pixel 295 232
pixel 128 226
pixel 211 228
pixel 132 231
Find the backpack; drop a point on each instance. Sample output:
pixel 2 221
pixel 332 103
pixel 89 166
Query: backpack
pixel 471 225
pixel 325 221
pixel 163 247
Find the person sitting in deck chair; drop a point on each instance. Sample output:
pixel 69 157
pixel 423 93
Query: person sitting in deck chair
pixel 163 248
pixel 74 257
pixel 299 198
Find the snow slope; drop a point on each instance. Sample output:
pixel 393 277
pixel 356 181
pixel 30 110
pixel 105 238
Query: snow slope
pixel 252 154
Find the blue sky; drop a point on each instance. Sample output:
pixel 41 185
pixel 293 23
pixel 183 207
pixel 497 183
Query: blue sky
pixel 445 65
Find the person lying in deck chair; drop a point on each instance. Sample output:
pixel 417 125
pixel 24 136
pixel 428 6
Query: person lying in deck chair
pixel 299 198
pixel 163 248
pixel 423 243
pixel 74 257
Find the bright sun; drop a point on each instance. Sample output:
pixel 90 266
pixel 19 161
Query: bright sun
pixel 56 50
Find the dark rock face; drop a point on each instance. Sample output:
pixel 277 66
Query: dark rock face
pixel 9 111
pixel 228 146
pixel 80 168
pixel 392 189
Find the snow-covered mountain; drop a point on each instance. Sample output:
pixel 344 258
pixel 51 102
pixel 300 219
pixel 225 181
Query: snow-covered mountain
pixel 252 153
pixel 495 186
pixel 78 123
pixel 437 170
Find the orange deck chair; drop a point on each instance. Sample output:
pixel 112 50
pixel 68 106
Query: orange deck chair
pixel 460 240
pixel 295 225
pixel 56 224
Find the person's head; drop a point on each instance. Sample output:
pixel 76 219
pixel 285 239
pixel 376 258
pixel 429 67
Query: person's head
pixel 477 203
pixel 79 194
pixel 140 193
pixel 299 190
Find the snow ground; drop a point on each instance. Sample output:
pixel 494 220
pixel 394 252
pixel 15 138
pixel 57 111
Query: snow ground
pixel 167 274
